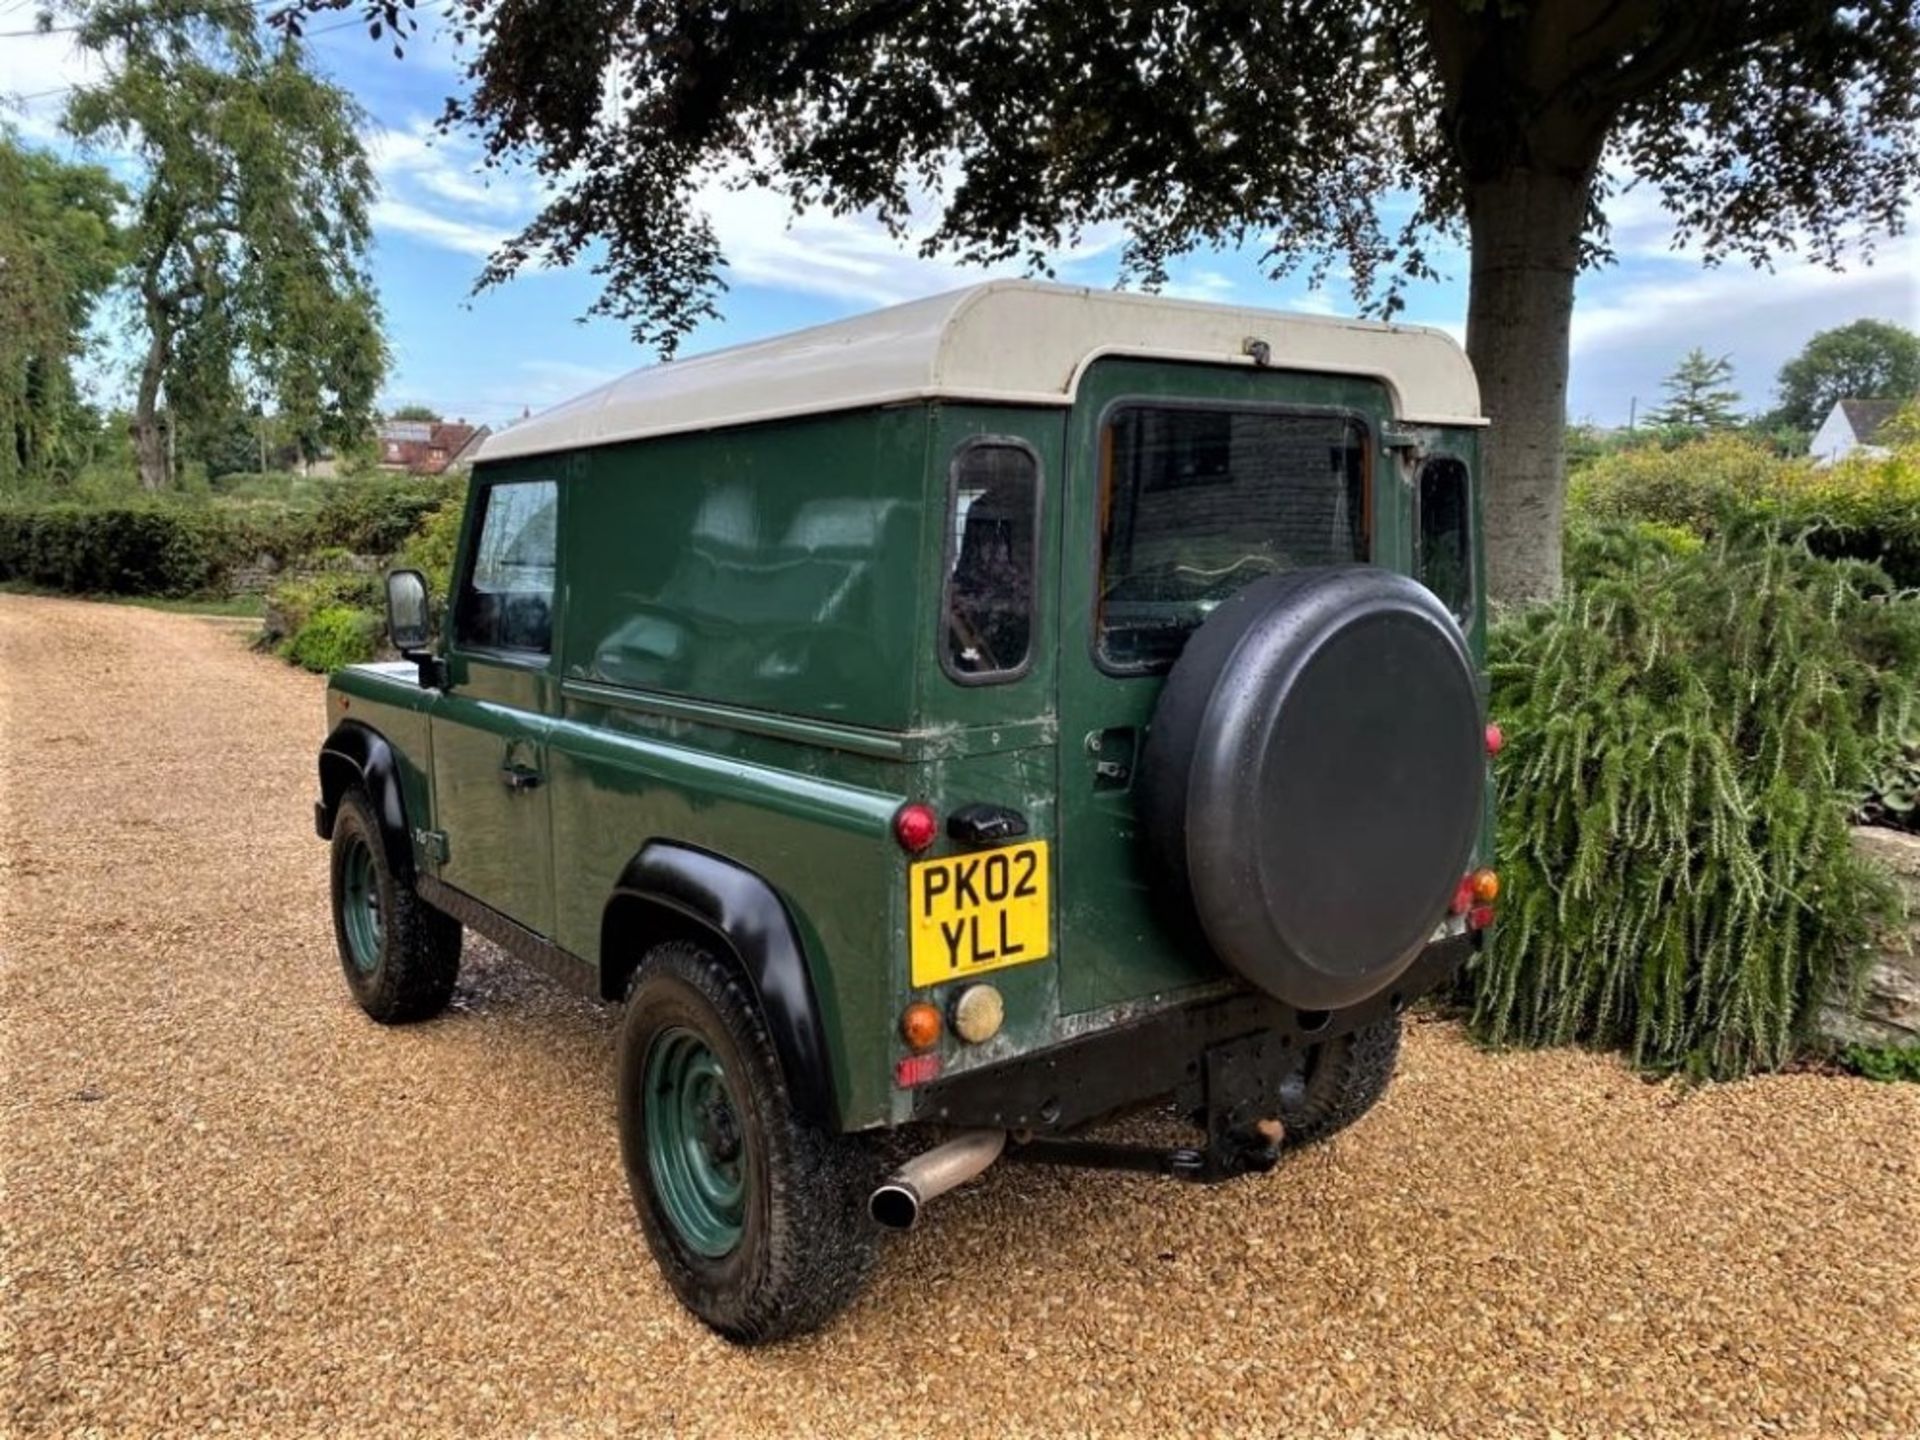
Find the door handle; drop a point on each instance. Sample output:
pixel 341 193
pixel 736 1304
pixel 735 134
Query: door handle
pixel 1113 756
pixel 519 777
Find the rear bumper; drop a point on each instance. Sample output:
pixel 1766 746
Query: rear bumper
pixel 1162 1056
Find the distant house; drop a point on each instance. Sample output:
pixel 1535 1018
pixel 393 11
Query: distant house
pixel 428 447
pixel 1850 430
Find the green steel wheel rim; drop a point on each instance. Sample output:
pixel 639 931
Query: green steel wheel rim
pixel 695 1149
pixel 360 906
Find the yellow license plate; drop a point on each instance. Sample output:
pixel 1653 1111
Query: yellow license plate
pixel 978 912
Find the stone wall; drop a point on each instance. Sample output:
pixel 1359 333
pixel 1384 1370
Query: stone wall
pixel 1889 1011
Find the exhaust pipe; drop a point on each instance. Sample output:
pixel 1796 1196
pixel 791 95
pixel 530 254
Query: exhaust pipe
pixel 896 1204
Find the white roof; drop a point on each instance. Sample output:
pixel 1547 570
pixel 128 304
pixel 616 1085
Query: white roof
pixel 1010 342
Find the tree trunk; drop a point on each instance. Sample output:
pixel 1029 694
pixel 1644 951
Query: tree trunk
pixel 1525 227
pixel 150 446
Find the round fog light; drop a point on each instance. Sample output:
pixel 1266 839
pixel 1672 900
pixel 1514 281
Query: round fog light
pixel 978 1012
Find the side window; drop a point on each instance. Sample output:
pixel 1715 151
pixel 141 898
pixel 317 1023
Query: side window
pixel 992 549
pixel 1444 563
pixel 506 599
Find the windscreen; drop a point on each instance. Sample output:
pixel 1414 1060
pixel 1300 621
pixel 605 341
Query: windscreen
pixel 1201 501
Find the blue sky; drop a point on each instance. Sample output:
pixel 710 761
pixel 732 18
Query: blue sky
pixel 488 357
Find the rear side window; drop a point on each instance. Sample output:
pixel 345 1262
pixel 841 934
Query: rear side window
pixel 506 601
pixel 1200 502
pixel 993 513
pixel 1444 563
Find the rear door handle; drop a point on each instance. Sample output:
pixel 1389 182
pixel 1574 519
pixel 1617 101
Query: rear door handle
pixel 519 777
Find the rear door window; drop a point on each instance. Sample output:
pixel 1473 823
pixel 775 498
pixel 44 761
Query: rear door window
pixel 1199 502
pixel 506 600
pixel 1444 561
pixel 993 509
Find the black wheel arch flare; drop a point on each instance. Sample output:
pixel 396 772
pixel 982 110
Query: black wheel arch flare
pixel 356 753
pixel 669 889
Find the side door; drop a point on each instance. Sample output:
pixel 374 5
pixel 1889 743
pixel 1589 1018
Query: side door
pixel 1184 482
pixel 490 728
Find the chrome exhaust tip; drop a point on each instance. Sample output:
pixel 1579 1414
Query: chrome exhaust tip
pixel 897 1202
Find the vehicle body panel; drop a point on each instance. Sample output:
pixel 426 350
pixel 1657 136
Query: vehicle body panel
pixel 745 663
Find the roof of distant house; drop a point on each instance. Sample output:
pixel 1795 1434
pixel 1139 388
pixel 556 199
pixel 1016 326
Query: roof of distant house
pixel 1865 417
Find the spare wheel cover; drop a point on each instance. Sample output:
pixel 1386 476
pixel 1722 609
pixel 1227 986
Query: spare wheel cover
pixel 1314 779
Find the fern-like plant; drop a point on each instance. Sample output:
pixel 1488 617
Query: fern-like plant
pixel 1688 732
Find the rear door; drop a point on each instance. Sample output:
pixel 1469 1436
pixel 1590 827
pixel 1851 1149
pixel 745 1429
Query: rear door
pixel 490 729
pixel 1184 483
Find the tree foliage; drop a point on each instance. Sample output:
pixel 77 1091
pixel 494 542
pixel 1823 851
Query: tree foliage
pixel 59 252
pixel 1867 360
pixel 250 227
pixel 415 412
pixel 1699 395
pixel 1368 137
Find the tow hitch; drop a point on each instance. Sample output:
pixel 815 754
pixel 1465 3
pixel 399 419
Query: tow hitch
pixel 1238 1098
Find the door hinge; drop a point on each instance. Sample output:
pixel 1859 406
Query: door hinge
pixel 432 844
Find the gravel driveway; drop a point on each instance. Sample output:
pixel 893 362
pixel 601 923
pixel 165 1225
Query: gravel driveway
pixel 231 1201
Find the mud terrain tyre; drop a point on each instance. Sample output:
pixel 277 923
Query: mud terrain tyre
pixel 1338 1082
pixel 757 1219
pixel 399 954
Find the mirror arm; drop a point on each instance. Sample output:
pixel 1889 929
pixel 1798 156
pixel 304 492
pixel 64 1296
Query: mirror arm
pixel 433 669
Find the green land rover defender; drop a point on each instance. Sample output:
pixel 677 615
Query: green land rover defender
pixel 943 731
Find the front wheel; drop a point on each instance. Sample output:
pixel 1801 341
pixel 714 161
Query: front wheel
pixel 756 1218
pixel 400 955
pixel 1338 1081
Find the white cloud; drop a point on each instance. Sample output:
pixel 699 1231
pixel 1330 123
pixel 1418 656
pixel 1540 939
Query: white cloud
pixel 415 158
pixel 1705 302
pixel 560 378
pixel 1631 325
pixel 467 237
pixel 37 74
pixel 1201 285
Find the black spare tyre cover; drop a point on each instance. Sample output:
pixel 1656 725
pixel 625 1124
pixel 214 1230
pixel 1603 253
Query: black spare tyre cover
pixel 1313 781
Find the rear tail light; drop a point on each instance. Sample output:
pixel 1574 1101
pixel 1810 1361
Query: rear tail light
pixel 1462 896
pixel 915 826
pixel 915 1070
pixel 1486 886
pixel 1479 917
pixel 1495 739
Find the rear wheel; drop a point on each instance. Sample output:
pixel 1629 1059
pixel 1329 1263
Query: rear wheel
pixel 756 1218
pixel 1338 1082
pixel 400 955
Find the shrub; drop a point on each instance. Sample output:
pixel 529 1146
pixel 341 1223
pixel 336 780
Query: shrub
pixel 143 549
pixel 1883 1063
pixel 1866 507
pixel 1692 487
pixel 1688 732
pixel 293 602
pixel 1893 789
pixel 374 516
pixel 431 548
pixel 332 636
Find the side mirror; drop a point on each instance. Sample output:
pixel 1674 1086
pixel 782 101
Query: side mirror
pixel 409 622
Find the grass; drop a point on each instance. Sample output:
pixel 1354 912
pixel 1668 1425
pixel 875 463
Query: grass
pixel 250 607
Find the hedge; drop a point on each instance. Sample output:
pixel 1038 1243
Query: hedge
pixel 1864 508
pixel 118 550
pixel 173 548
